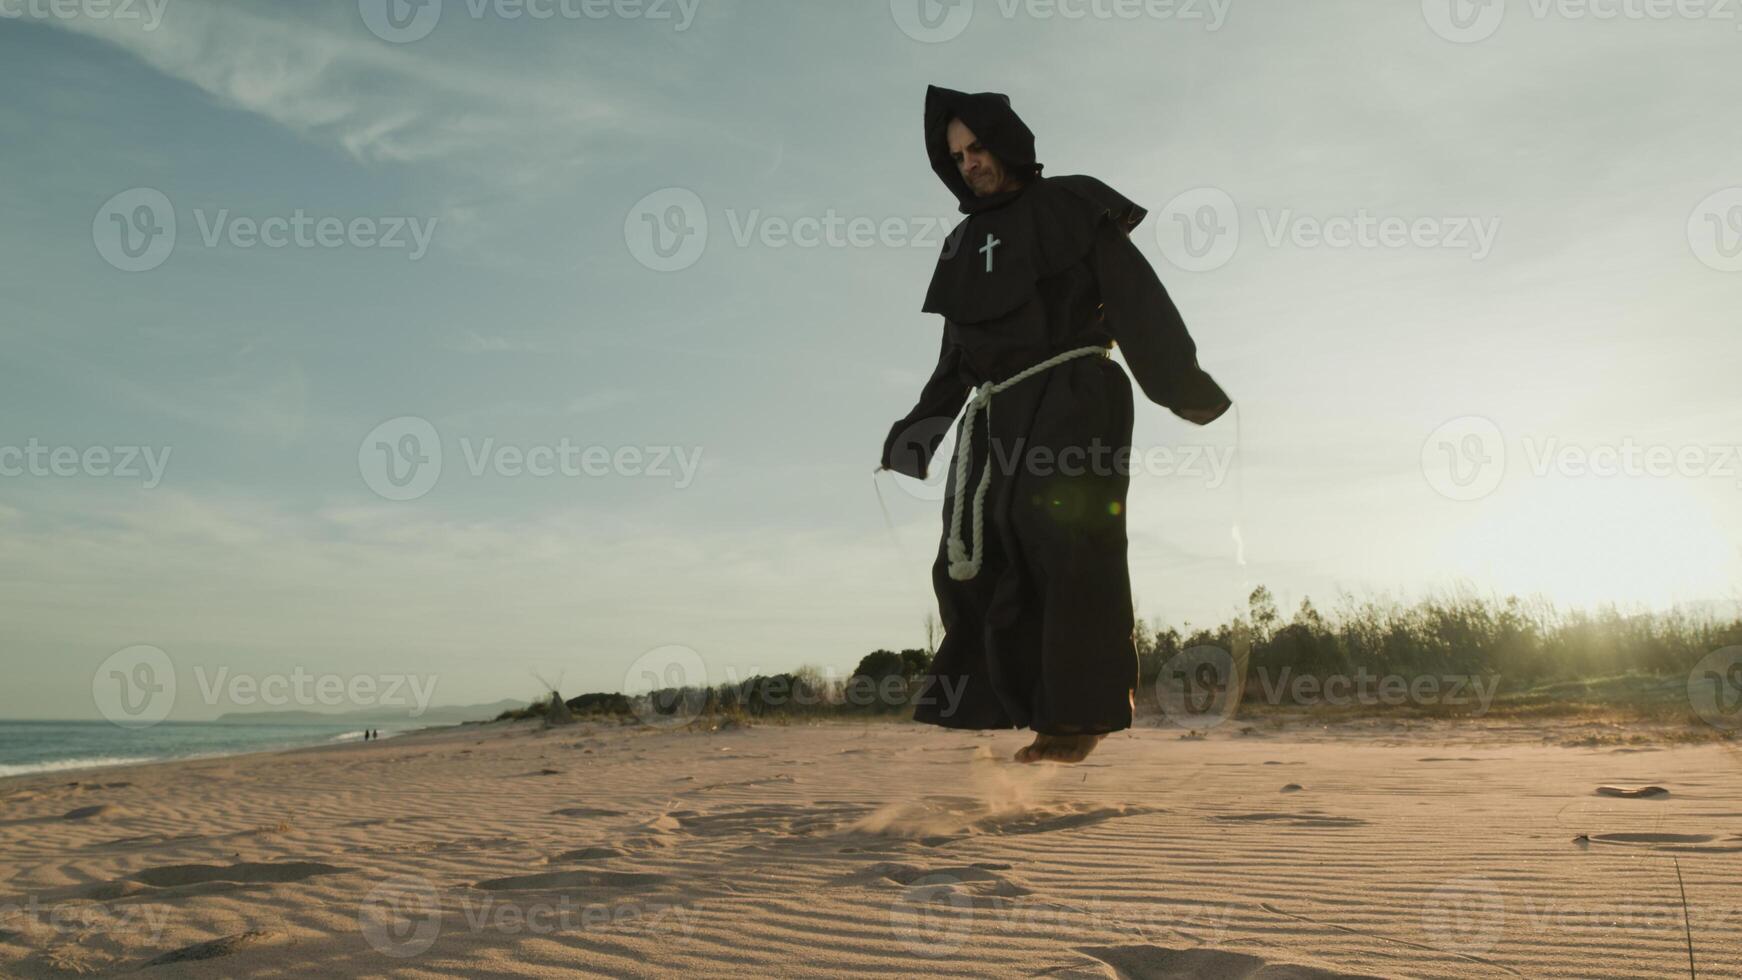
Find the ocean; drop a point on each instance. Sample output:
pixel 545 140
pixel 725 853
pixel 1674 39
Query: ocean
pixel 51 746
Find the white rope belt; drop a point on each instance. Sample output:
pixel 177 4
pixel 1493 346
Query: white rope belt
pixel 963 566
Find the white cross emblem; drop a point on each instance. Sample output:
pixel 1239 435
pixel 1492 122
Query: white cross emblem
pixel 991 243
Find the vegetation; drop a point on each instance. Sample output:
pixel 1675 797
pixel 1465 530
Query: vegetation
pixel 1537 659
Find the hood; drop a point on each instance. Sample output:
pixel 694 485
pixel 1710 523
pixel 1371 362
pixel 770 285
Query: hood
pixel 999 129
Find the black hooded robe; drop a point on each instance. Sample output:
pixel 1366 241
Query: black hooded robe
pixel 1042 636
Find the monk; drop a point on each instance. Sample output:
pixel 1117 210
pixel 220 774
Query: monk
pixel 1036 286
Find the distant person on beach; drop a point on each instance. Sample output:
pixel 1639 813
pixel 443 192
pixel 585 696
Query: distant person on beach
pixel 1035 286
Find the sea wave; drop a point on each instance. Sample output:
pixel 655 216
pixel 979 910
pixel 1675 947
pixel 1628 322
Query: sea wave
pixel 58 765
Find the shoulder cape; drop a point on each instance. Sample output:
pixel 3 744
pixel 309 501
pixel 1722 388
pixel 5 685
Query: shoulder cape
pixel 992 261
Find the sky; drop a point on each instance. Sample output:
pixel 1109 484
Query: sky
pixel 448 341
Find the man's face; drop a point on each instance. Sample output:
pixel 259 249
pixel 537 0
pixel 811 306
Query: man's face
pixel 982 171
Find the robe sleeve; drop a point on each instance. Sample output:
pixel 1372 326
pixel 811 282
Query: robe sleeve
pixel 1147 327
pixel 912 441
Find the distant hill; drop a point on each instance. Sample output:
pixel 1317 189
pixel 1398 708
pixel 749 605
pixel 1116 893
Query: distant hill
pixel 443 715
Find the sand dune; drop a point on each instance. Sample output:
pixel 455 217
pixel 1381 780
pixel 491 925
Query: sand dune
pixel 890 849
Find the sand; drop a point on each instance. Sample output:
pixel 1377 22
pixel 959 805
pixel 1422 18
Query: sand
pixel 885 849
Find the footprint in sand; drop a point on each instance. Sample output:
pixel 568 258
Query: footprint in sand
pixel 90 812
pixel 1295 819
pixel 968 885
pixel 941 819
pixel 1632 792
pixel 763 781
pixel 600 853
pixel 586 811
pixel 213 949
pixel 1670 842
pixel 574 880
pixel 185 880
pixel 1161 963
pixel 140 843
pixel 384 821
pixel 179 875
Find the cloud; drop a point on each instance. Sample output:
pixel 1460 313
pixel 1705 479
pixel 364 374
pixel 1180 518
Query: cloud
pixel 380 103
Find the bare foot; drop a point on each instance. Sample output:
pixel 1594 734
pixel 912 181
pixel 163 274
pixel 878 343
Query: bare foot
pixel 1058 748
